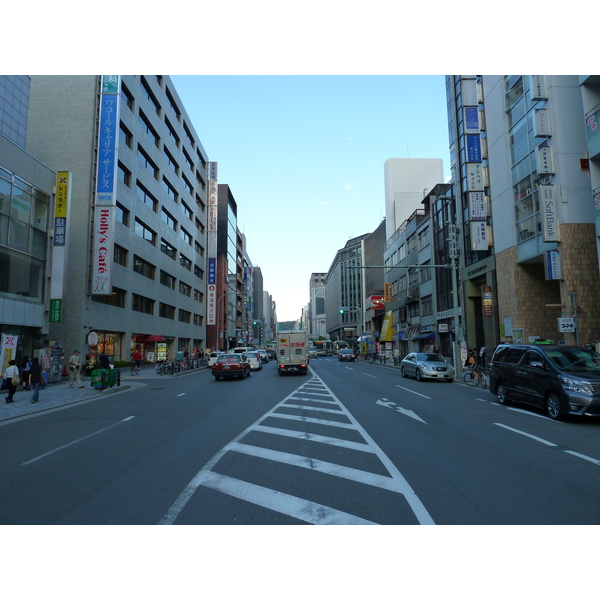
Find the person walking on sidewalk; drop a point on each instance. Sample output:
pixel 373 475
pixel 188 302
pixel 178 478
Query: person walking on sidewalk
pixel 11 370
pixel 35 379
pixel 75 367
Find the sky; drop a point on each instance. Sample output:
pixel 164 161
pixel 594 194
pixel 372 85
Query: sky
pixel 303 156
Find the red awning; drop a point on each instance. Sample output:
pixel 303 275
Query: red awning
pixel 155 338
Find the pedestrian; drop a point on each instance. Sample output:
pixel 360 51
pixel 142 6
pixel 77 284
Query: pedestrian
pixel 103 360
pixel 482 352
pixel 75 368
pixel 35 379
pixel 137 359
pixel 25 366
pixel 11 371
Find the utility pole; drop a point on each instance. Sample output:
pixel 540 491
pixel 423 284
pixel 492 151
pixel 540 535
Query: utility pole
pixel 453 246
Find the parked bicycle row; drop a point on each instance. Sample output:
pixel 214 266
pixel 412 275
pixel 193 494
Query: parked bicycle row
pixel 170 367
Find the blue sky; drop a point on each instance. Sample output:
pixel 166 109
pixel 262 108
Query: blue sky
pixel 304 155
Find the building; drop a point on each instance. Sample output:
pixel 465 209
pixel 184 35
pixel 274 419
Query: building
pixel 26 192
pixel 134 173
pixel 529 251
pixel 316 308
pixel 343 293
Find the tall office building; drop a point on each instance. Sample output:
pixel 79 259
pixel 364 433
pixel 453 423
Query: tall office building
pixel 316 306
pixel 133 189
pixel 26 188
pixel 527 219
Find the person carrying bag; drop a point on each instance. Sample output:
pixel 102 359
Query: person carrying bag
pixel 11 375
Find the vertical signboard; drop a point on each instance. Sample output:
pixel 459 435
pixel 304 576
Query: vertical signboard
pixel 62 202
pixel 549 209
pixel 538 87
pixel 477 208
pixel 479 238
pixel 473 148
pixel 545 161
pixel 475 177
pixel 213 199
pixel 105 197
pixel 471 119
pixel 541 123
pixel 552 269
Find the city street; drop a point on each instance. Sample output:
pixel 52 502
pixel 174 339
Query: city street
pixel 349 443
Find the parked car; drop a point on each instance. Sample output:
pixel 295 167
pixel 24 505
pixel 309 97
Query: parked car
pixel 254 360
pixel 212 357
pixel 426 365
pixel 231 365
pixel 346 354
pixel 263 355
pixel 312 352
pixel 562 380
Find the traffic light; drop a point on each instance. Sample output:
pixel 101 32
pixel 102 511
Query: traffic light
pixel 254 322
pixel 342 311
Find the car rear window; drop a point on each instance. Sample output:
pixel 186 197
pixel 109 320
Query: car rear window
pixel 229 359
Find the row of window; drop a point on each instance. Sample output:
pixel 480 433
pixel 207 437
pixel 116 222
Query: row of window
pixel 148 306
pixel 147 269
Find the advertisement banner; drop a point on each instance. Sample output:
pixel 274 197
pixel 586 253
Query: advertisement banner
pixel 477 209
pixel 471 119
pixel 479 238
pixel 63 181
pixel 549 210
pixel 473 148
pixel 8 350
pixel 475 180
pixel 104 223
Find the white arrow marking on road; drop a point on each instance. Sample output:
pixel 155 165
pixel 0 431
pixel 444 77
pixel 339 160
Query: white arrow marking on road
pixel 404 411
pixel 413 392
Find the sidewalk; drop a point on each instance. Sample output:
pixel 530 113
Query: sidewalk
pixel 56 395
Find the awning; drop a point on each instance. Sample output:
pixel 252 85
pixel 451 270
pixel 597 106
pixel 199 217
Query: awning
pixel 155 338
pixel 386 328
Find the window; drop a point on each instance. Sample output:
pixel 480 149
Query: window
pixel 185 316
pixel 147 127
pixel 124 175
pixel 125 136
pixel 143 267
pixel 121 215
pixel 167 249
pixel 186 210
pixel 185 262
pixel 172 133
pixel 198 319
pixel 188 159
pixel 173 104
pixel 423 238
pixel 166 310
pixel 128 96
pixel 170 190
pixel 167 280
pixel 171 161
pixel 427 305
pixel 120 255
pixel 142 304
pixel 148 93
pixel 187 184
pixel 185 236
pixel 199 226
pixel 168 219
pixel 146 197
pixel 147 162
pixel 185 289
pixel 117 298
pixel 198 295
pixel 199 248
pixel 145 232
pixel 198 272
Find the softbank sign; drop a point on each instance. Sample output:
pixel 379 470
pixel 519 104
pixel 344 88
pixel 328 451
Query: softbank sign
pixel 549 214
pixel 104 224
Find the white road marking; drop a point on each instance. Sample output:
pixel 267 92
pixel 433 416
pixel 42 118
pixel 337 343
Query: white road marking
pixel 405 411
pixel 302 509
pixel 182 394
pixel 592 460
pixel 74 442
pixel 413 392
pixel 367 375
pixel 529 435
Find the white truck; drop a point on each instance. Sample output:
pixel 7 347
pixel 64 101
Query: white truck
pixel 292 352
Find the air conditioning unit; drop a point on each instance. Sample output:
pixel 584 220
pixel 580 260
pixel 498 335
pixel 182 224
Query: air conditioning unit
pixel 408 295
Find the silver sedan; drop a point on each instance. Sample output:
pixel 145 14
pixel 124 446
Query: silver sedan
pixel 426 365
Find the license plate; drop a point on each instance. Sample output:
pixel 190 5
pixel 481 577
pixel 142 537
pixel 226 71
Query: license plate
pixel 226 367
pixel 293 369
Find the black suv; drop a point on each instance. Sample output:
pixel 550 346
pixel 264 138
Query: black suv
pixel 563 380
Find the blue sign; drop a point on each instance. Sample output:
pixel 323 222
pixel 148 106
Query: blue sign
pixel 471 118
pixel 107 147
pixel 473 148
pixel 212 271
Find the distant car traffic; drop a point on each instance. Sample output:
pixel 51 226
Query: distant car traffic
pixel 312 352
pixel 231 366
pixel 562 380
pixel 263 355
pixel 346 354
pixel 426 365
pixel 254 361
pixel 272 354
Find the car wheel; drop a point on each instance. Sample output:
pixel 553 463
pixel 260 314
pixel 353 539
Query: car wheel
pixel 555 408
pixel 403 372
pixel 501 395
pixel 418 375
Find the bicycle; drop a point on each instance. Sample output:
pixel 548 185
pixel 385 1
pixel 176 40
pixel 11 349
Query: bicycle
pixel 162 367
pixel 474 378
pixel 135 367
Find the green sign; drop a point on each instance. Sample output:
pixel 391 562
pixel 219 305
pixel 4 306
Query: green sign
pixel 56 311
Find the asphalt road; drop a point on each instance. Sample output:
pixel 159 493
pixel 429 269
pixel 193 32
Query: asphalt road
pixel 349 443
